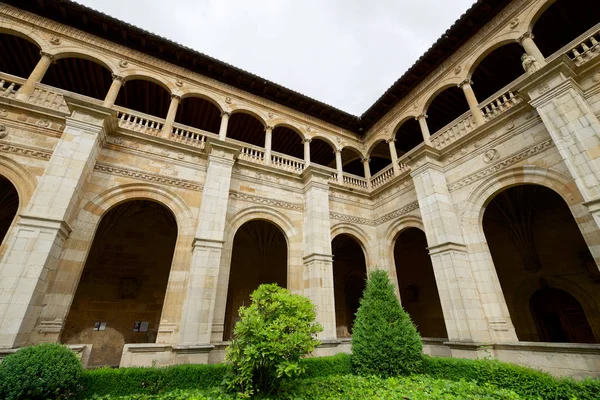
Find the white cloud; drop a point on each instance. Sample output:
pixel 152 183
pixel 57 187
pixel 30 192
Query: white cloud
pixel 343 52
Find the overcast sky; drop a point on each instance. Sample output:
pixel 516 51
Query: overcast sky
pixel 343 52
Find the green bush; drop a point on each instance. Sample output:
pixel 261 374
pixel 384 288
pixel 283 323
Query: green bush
pixel 147 381
pixel 39 372
pixel 340 364
pixel 385 342
pixel 527 382
pixel 271 337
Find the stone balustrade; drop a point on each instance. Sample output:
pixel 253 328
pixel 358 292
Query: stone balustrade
pixel 287 163
pixel 586 49
pixel 453 131
pixel 500 104
pixel 46 97
pixel 188 135
pixel 9 85
pixel 355 181
pixel 383 176
pixel 252 153
pixel 404 169
pixel 139 122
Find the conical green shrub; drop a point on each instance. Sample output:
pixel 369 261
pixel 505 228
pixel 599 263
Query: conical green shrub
pixel 385 342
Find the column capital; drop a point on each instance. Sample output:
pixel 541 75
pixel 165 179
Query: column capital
pixel 307 140
pixel 225 113
pixel 175 97
pixel 119 78
pixel 421 117
pixel 464 83
pixel 390 140
pixel 268 128
pixel 47 55
pixel 338 151
pixel 526 35
pixel 365 160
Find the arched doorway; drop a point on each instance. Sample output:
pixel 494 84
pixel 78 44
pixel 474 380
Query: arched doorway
pixel 259 256
pixel 416 280
pixel 349 275
pixel 537 247
pixel 9 204
pixel 121 292
pixel 559 317
pixel 79 75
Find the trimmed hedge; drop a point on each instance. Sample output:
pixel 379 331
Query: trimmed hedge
pixel 527 382
pixel 148 381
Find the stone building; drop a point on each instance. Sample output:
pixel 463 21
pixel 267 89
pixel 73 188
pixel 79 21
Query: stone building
pixel 147 189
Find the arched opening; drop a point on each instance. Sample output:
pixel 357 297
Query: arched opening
pixel 563 22
pixel 349 276
pixel 380 157
pixel 122 288
pixel 79 75
pixel 246 128
pixel 448 105
pixel 18 56
pixel 408 136
pixel 496 70
pixel 322 153
pixel 9 204
pixel 352 162
pixel 416 280
pixel 144 96
pixel 259 256
pixel 287 141
pixel 559 317
pixel 536 244
pixel 199 113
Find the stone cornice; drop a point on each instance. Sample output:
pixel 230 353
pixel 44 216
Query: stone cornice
pixel 266 201
pixel 376 222
pixel 22 150
pixel 135 174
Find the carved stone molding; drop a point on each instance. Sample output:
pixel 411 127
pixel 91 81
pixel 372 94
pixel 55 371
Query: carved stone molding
pixel 538 148
pixel 398 213
pixel 266 201
pixel 351 219
pixel 3 131
pixel 26 151
pixel 114 170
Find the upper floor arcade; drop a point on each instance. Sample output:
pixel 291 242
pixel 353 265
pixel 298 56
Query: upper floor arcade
pixel 466 94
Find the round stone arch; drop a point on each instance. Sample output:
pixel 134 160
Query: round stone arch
pixel 78 52
pixel 401 121
pixel 295 279
pixel 357 234
pixel 133 75
pixel 27 34
pixel 433 92
pixel 327 140
pixel 22 180
pixel 235 109
pixel 529 286
pixel 473 62
pixel 280 122
pixel 531 16
pixel 195 92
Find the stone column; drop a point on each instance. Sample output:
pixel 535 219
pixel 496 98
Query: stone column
pixel 196 324
pixel 36 75
pixel 168 127
pixel 268 140
pixel 224 122
pixel 526 40
pixel 338 165
pixel 306 152
pixel 573 126
pixel 35 246
pixel 464 314
pixel 394 156
pixel 113 92
pixel 424 128
pixel 472 100
pixel 318 258
pixel 367 169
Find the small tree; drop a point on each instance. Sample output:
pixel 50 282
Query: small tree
pixel 271 337
pixel 385 341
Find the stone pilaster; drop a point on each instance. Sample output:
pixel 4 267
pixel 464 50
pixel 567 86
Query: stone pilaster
pixel 573 126
pixel 196 325
pixel 38 237
pixel 464 314
pixel 318 258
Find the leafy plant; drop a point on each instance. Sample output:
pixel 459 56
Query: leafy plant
pixel 271 337
pixel 44 371
pixel 385 342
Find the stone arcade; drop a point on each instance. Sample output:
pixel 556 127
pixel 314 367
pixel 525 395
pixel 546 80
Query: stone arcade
pixel 147 189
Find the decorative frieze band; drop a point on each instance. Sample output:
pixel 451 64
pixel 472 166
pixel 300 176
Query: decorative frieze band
pixel 265 201
pixel 41 154
pixel 181 183
pixel 538 148
pixel 351 219
pixel 388 217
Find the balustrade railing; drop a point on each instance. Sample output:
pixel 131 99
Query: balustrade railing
pixel 354 181
pixel 46 97
pixel 453 131
pixel 8 88
pixel 587 48
pixel 139 122
pixel 500 104
pixel 382 176
pixel 287 163
pixel 188 135
pixel 252 154
pixel 404 169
